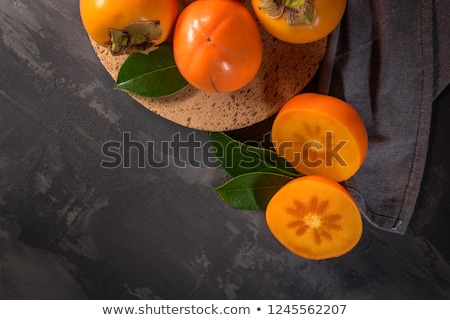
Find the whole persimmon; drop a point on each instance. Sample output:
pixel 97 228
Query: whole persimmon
pixel 128 25
pixel 217 45
pixel 299 21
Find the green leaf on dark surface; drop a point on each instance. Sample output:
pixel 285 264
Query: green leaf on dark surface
pixel 252 191
pixel 151 75
pixel 238 158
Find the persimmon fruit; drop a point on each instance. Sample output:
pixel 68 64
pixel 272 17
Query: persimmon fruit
pixel 315 218
pixel 125 25
pixel 320 135
pixel 217 45
pixel 299 21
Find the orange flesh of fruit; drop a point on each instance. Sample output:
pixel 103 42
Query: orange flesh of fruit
pixel 315 218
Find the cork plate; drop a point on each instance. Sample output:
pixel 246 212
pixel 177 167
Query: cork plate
pixel 285 70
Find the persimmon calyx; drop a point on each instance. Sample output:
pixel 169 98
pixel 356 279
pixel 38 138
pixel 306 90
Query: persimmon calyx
pixel 294 12
pixel 137 37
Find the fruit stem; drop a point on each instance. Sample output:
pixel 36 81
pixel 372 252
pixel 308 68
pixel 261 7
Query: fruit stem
pixel 137 37
pixel 293 4
pixel 294 12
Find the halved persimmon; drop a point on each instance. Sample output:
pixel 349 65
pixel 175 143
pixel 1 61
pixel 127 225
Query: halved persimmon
pixel 315 218
pixel 320 135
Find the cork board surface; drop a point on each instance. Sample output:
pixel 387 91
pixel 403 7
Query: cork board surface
pixel 285 70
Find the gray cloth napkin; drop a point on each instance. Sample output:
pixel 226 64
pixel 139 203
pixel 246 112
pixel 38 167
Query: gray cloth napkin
pixel 390 59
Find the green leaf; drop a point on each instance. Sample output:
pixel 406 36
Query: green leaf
pixel 252 191
pixel 238 158
pixel 151 75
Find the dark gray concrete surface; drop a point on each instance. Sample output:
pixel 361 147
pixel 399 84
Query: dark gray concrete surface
pixel 70 229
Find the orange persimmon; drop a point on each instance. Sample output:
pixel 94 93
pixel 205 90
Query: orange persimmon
pixel 299 21
pixel 320 135
pixel 315 218
pixel 110 22
pixel 217 45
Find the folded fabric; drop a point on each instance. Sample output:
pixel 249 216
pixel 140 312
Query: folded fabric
pixel 389 59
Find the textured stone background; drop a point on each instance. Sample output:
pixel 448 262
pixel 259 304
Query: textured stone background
pixel 71 229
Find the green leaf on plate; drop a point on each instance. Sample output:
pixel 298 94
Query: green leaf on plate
pixel 238 158
pixel 252 191
pixel 151 75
